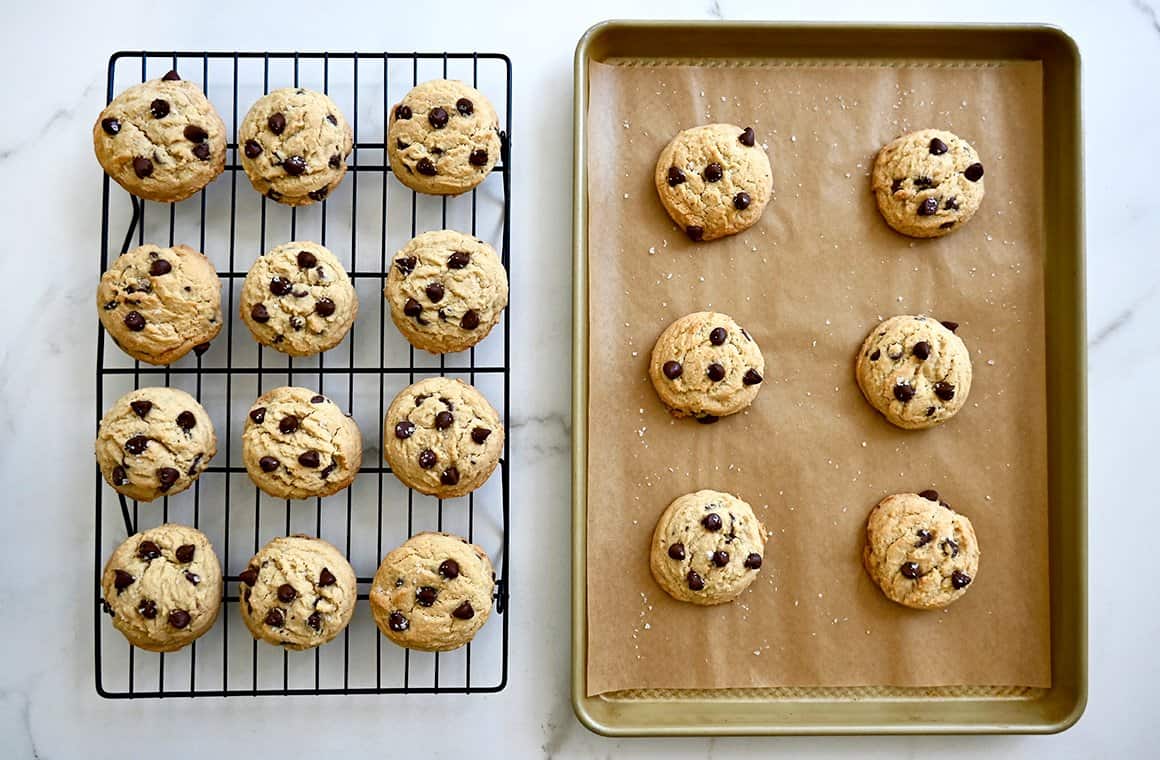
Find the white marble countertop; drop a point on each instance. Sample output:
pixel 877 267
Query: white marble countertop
pixel 48 707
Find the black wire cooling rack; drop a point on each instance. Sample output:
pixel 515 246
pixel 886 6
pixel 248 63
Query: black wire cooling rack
pixel 233 225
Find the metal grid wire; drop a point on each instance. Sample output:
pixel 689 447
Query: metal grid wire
pixel 233 225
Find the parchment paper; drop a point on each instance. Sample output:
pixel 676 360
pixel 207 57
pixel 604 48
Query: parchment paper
pixel 809 281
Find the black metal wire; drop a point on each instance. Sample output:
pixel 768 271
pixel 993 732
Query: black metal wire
pixel 164 375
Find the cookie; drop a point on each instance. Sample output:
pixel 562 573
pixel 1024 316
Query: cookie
pixel 297 592
pixel 433 593
pixel 298 299
pixel 928 183
pixel 154 442
pixel 443 138
pixel 298 444
pixel 915 371
pixel 706 366
pixel 163 587
pixel 159 303
pixel 294 143
pixel 707 548
pixel 919 551
pixel 714 180
pixel 161 140
pixel 442 437
pixel 446 291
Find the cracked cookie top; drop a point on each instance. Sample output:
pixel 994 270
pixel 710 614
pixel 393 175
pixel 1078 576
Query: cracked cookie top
pixel 298 444
pixel 714 180
pixel 161 140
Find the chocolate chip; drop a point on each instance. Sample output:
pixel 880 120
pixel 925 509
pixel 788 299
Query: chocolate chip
pixel 167 476
pixel 122 580
pixel 141 408
pixel 464 611
pixel 288 424
pixel 275 618
pixel 318 399
pixel 930 494
pixel 185 553
pixel 717 336
pixel 396 620
pixel 928 206
pixel 470 320
pixel 406 265
pixel 324 307
pixel 294 166
pixel 747 137
pixel 946 225
pixel 712 522
pixel 741 201
pixel 937 147
pixel 186 421
pixel 280 286
pixel 196 134
pixel 910 570
pixel 715 372
pixel 921 350
pixel 134 321
pixel 695 233
pixel 450 476
pixel 426 595
pixel 160 267
pixel 427 459
pixel 159 108
pixel 401 144
pixel 136 444
pixel 402 112
pixel 449 569
pixel 327 470
pixel 142 167
pixel 959 579
pixel 273 195
pixel 434 292
pixel 903 391
pixel 314 621
pixel 404 429
pixel 268 464
pixel 147 550
pixel 252 149
pixel 951 204
pixel 249 576
pixel 720 558
pixel 111 305
pixel 170 76
pixel 202 151
pixel 478 157
pixel 676 176
pixel 876 355
pixel 464 106
pixel 480 434
pixel 706 419
pixel 286 593
pixel 951 544
pixel 696 583
pixel 111 126
pixel 443 420
pixel 930 411
pixel 258 414
pixel 896 185
pixel 944 390
pixel 421 398
pixel 922 183
pixel 974 172
pixel 924 537
pixel 425 167
pixel 458 260
pixel 952 326
pixel 438 117
pixel 334 161
pixel 192 577
pixel 276 123
pixel 120 477
pixel 677 551
pixel 751 377
pixel 713 172
pixel 147 608
pixel 672 369
pixel 753 561
pixel 309 458
pixel 326 578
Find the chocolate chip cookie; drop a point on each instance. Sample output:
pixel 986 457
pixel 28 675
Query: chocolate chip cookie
pixel 714 180
pixel 298 299
pixel 163 587
pixel 159 303
pixel 446 291
pixel 298 444
pixel 443 138
pixel 294 143
pixel 433 593
pixel 154 442
pixel 161 140
pixel 915 371
pixel 442 437
pixel 707 548
pixel 706 366
pixel 919 551
pixel 298 592
pixel 928 183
